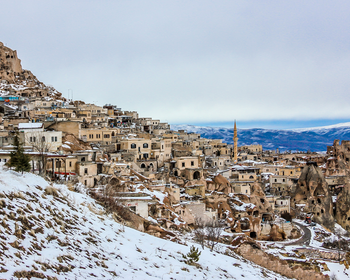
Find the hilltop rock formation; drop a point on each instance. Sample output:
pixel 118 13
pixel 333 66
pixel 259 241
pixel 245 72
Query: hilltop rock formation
pixel 312 190
pixel 16 81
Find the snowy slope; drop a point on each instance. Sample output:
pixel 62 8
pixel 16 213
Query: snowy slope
pixel 62 234
pixel 313 139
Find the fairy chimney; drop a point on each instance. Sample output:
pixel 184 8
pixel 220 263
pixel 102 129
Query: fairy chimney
pixel 312 190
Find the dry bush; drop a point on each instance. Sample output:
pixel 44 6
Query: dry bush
pixel 51 237
pixel 19 195
pixel 2 203
pixel 29 274
pixel 95 210
pixel 51 191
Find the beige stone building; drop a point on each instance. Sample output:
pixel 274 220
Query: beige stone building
pixel 33 134
pixel 199 211
pixel 98 135
pixel 138 146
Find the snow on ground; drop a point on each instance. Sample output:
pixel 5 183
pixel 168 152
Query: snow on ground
pixel 50 231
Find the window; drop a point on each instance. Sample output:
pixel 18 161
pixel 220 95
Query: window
pixel 34 139
pixel 5 160
pixel 30 139
pixel 132 208
pixel 192 163
pixel 133 146
pixel 52 139
pixel 145 145
pixel 183 164
pixel 85 171
pixel 55 138
pixel 70 164
pixel 43 139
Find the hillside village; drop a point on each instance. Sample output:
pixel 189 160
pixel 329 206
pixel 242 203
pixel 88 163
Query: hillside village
pixel 171 182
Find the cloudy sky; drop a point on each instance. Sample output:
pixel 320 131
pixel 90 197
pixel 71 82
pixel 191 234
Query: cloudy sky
pixel 191 61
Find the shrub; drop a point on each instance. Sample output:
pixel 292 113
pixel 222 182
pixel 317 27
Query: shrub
pixel 51 191
pixel 193 256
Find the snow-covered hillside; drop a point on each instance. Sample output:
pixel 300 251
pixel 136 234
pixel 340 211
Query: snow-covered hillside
pixel 48 231
pixel 314 139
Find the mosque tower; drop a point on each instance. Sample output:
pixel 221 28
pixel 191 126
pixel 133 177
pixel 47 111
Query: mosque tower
pixel 235 148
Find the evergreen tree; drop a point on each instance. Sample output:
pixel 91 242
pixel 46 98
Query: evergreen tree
pixel 18 159
pixel 193 256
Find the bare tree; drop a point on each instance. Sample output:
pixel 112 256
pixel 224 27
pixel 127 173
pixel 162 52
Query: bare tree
pixel 199 231
pixel 213 231
pixel 41 145
pixel 209 231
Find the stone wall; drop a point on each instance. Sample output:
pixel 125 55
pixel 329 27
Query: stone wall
pixel 320 254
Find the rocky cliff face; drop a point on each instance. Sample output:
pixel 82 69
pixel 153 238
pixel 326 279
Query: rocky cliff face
pixel 18 82
pixel 343 208
pixel 312 190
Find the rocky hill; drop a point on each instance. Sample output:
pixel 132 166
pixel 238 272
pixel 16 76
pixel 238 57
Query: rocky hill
pixel 14 81
pixel 50 232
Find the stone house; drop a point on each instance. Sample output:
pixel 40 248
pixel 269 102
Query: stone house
pixel 136 202
pixel 98 135
pixel 281 184
pixel 291 171
pixel 138 146
pixel 33 134
pixel 195 190
pixel 279 204
pixel 199 211
pixel 241 187
pixel 275 169
pixel 160 150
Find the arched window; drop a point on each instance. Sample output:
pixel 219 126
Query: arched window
pixel 145 145
pixel 133 146
pixel 143 165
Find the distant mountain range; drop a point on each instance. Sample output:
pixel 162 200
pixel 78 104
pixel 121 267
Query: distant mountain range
pixel 314 139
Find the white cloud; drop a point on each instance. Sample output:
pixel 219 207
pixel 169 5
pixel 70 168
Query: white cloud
pixel 191 61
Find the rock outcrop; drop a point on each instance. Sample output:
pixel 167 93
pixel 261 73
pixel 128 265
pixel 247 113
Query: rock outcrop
pixel 312 190
pixel 289 268
pixel 343 208
pixel 18 82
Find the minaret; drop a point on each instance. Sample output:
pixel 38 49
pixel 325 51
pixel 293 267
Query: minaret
pixel 235 148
